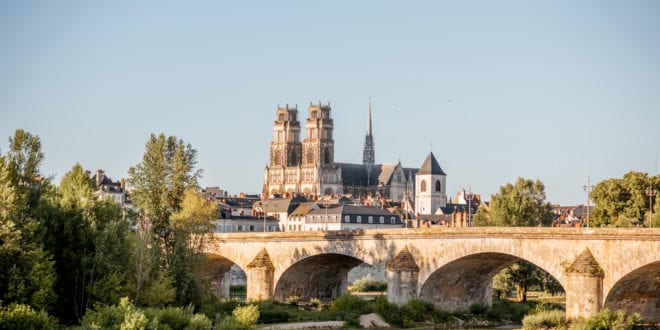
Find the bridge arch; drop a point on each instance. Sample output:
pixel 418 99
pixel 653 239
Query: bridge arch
pixel 467 280
pixel 320 276
pixel 218 271
pixel 638 291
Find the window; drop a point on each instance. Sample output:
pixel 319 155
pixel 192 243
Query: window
pixel 239 228
pixel 438 186
pixel 423 185
pixel 251 228
pixel 313 114
pixel 359 219
pixel 392 220
pixel 281 118
pixel 371 219
pixel 382 219
pixel 347 218
pixel 326 155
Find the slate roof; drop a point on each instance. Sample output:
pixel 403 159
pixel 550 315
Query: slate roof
pixel 430 166
pixel 355 175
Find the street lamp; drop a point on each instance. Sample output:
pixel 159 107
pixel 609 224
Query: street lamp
pixel 651 193
pixel 588 188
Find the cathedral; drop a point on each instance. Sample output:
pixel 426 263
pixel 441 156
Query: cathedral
pixel 307 167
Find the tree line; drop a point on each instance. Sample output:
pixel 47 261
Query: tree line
pixel 65 251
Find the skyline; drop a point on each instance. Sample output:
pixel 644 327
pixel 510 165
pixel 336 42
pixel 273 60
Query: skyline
pixel 556 91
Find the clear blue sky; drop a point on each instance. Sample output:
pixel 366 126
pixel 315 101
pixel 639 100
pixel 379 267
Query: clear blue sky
pixel 554 90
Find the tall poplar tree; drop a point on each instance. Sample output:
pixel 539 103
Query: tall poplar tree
pixel 26 270
pixel 159 184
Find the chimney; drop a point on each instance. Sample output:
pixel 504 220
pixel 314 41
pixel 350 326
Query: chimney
pixel 122 184
pixel 99 177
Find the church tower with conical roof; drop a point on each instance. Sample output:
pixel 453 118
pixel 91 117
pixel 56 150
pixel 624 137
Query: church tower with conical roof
pixel 430 187
pixel 368 157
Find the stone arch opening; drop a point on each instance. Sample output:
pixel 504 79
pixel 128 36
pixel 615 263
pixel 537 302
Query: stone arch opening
pixel 322 276
pixel 223 274
pixel 466 281
pixel 638 291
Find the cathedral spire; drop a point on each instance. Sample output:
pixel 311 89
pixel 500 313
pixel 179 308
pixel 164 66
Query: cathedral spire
pixel 368 158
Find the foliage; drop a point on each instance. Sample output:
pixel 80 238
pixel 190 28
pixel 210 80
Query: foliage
pixel 417 310
pixel 368 284
pixel 292 300
pixel 545 319
pixel 623 201
pixel 27 276
pixel 606 320
pixel 521 276
pixel 508 310
pixel 20 316
pixel 247 316
pixel 347 303
pixel 88 239
pixel 482 217
pixel 478 309
pixel 158 293
pixel 521 204
pixel 126 315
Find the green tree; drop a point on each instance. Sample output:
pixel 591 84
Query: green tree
pixel 27 275
pixel 623 201
pixel 482 217
pixel 160 183
pixel 521 204
pixel 89 244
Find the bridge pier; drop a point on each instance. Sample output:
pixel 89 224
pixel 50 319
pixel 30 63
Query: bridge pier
pixel 402 278
pixel 260 277
pixel 584 287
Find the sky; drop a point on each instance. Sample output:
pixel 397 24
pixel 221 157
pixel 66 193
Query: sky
pixel 559 91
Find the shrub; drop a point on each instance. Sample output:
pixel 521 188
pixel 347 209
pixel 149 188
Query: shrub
pixel 199 322
pixel 478 309
pixel 417 310
pixel 174 318
pixel 316 303
pixel 134 320
pixel 606 319
pixel 546 306
pixel 545 319
pixel 292 300
pixel 368 284
pixel 390 312
pixel 246 316
pixel 20 316
pixel 347 303
pixel 230 323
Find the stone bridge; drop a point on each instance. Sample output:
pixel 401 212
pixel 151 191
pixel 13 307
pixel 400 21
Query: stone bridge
pixel 451 267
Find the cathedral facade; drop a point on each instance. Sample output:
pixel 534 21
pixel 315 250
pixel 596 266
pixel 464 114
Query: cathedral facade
pixel 307 167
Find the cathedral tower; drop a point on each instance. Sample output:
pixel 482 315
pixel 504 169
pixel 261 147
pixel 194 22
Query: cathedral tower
pixel 430 187
pixel 368 158
pixel 318 148
pixel 286 149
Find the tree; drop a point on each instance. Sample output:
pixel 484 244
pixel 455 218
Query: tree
pixel 160 183
pixel 522 204
pixel 623 201
pixel 27 274
pixel 89 244
pixel 482 217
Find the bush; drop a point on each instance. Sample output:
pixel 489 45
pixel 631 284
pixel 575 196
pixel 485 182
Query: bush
pixel 199 322
pixel 246 316
pixel 606 319
pixel 20 316
pixel 478 309
pixel 417 310
pixel 390 312
pixel 230 323
pixel 545 319
pixel 347 303
pixel 292 300
pixel 174 318
pixel 316 303
pixel 368 284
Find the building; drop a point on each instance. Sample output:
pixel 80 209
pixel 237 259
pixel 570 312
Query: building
pixel 115 189
pixel 348 217
pixel 307 167
pixel 233 224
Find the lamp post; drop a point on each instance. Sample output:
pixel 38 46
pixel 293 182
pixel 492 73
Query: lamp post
pixel 588 189
pixel 651 193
